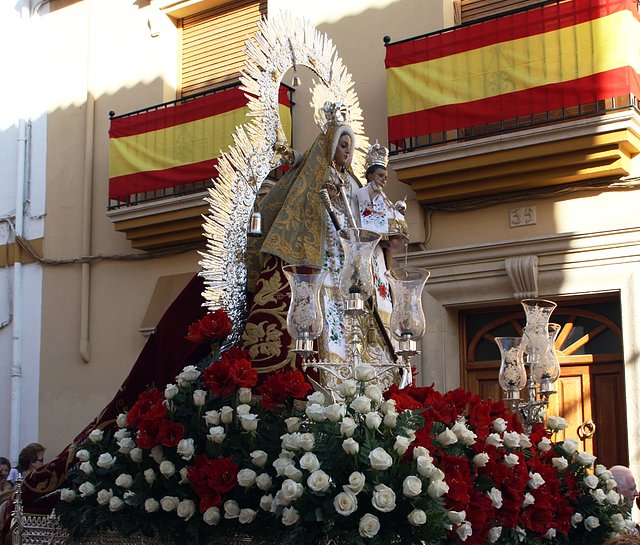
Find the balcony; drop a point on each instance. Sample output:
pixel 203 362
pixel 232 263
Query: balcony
pixel 162 162
pixel 539 97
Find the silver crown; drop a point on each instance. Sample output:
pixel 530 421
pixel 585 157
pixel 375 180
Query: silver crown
pixel 335 113
pixel 376 155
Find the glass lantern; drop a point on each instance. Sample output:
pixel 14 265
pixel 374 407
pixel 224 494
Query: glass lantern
pixel 356 277
pixel 304 318
pixel 407 317
pixel 512 376
pixel 536 350
pixel 546 369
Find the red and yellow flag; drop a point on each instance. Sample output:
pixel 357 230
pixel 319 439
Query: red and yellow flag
pixel 556 56
pixel 177 144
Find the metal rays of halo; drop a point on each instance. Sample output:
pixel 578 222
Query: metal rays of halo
pixel 282 42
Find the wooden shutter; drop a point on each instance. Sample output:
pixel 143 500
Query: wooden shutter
pixel 213 43
pixel 477 9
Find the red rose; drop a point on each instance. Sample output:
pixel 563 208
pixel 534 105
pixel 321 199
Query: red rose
pixel 215 326
pixel 149 405
pixel 148 432
pixel 282 386
pixel 224 377
pixel 170 433
pixel 209 479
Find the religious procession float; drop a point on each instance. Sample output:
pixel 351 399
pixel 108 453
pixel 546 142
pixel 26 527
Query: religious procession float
pixel 335 443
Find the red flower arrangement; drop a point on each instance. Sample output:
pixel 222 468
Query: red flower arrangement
pixel 283 386
pixel 233 371
pixel 215 326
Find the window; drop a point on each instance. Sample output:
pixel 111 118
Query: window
pixel 213 43
pixel 477 9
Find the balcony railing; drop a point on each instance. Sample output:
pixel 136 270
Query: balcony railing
pixel 550 63
pixel 170 149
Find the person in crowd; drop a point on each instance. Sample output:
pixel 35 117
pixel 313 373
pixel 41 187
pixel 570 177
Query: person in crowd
pixel 5 484
pixel 31 458
pixel 626 483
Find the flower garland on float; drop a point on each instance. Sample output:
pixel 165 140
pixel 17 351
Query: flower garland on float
pixel 206 460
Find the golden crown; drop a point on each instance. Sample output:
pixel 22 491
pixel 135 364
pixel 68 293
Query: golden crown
pixel 376 155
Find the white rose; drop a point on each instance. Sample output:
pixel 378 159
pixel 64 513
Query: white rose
pixel 369 526
pixel 151 505
pixel 318 481
pixel 157 454
pixel 618 522
pixel 211 516
pixel 122 433
pixel 167 468
pixel 511 460
pixel 345 503
pixel 481 459
pixel 86 468
pixel 437 488
pixel 189 374
pixel 373 420
pixel 550 533
pixel 350 446
pixel 585 459
pixel 591 523
pixel 390 420
pixel 247 516
pixel 380 459
pixel 199 398
pixel 96 436
pixel 447 437
pixel 457 517
pixel 149 475
pixel 424 465
pixel 171 391
pixel 246 477
pixel 495 533
pixel 124 480
pixel 347 388
pixel 535 480
pixel 495 496
pixel 292 472
pixel 266 503
pixel 217 434
pixel 560 463
pixel 291 490
pixel 169 503
pixel 126 445
pixel 576 519
pixel 570 445
pixel 357 481
pixel 293 424
pixel 243 409
pixel 226 415
pixel 264 482
pixel 364 372
pixel 105 460
pixel 212 418
pixel 528 500
pixel 290 441
pixel 494 440
pixel 361 404
pixel 373 392
pixel 104 496
pixel 544 445
pixel 69 495
pixel 83 455
pixel 258 458
pixel 417 517
pixel 115 504
pixel 464 531
pixel 316 397
pixel 136 455
pixel 525 442
pixel 511 439
pixel 556 423
pixel 599 495
pixel 244 395
pixel 231 509
pixel 186 509
pixel 602 471
pixel 121 420
pixel 499 425
pixel 411 486
pixel 421 451
pixel 307 441
pixel 591 481
pixel 402 444
pixel 249 422
pixel 334 412
pixel 290 516
pixel 315 412
pixel 86 489
pixel 186 448
pixel 309 462
pixel 280 464
pixel 348 426
pixel 613 497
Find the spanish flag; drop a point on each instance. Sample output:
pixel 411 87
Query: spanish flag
pixel 556 56
pixel 177 144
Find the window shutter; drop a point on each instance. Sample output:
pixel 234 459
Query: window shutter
pixel 477 9
pixel 213 43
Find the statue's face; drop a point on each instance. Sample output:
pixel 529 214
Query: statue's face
pixel 378 178
pixel 343 151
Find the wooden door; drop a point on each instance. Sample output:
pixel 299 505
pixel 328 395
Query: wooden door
pixel 590 392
